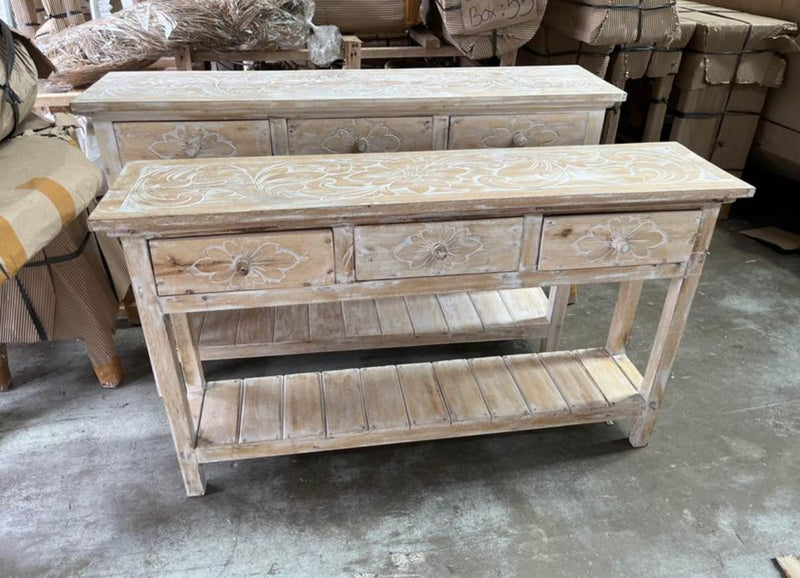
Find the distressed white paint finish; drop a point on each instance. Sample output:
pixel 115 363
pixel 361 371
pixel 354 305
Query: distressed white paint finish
pixel 309 87
pixel 618 173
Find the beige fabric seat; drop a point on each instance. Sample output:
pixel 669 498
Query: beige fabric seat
pixel 54 281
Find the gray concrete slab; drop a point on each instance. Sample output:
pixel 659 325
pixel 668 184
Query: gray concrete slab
pixel 89 485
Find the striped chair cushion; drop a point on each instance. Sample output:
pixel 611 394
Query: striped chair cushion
pixel 46 183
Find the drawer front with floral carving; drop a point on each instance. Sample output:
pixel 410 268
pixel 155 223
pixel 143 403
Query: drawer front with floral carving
pixel 433 249
pixel 243 262
pixel 581 242
pixel 469 132
pixel 187 140
pixel 360 135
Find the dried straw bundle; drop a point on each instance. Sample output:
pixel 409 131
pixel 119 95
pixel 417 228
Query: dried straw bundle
pixel 138 36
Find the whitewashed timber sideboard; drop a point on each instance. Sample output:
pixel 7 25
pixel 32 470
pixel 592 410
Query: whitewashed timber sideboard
pixel 155 115
pixel 232 235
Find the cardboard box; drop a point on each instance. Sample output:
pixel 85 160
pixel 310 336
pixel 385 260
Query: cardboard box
pixel 549 47
pixel 607 22
pixel 481 42
pixel 734 47
pixel 778 139
pixel 650 60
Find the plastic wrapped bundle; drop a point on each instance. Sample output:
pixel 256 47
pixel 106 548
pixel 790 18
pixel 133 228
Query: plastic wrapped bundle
pixel 486 28
pixel 138 36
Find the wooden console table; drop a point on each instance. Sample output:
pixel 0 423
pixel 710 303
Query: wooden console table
pixel 151 116
pixel 223 236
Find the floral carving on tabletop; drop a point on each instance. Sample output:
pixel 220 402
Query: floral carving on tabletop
pixel 362 136
pixel 438 246
pixel 620 240
pixel 246 263
pixel 521 132
pixel 192 141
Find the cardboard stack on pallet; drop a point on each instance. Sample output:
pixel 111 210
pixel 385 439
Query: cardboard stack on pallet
pixel 730 63
pixel 777 140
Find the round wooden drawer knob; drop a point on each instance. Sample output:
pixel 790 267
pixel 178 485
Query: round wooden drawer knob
pixel 519 140
pixel 362 145
pixel 242 267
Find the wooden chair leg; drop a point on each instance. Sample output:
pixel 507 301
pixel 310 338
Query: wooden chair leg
pixel 5 372
pixel 105 361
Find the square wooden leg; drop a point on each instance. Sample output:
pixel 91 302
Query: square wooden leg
pixel 166 368
pixel 674 316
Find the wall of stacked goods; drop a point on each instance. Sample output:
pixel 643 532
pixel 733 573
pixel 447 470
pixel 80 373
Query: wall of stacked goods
pixel 707 75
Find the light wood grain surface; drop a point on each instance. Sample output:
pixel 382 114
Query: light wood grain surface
pixel 170 196
pixel 399 91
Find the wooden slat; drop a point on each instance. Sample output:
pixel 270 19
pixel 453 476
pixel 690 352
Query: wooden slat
pixel 573 382
pixel 219 421
pixel 536 385
pixel 255 326
pixel 383 398
pixel 525 306
pixel 630 370
pixel 261 409
pixel 291 323
pixel 344 403
pixel 326 321
pixel 393 316
pixel 219 328
pixel 498 387
pixel 426 315
pixel 461 391
pixel 491 309
pixel 607 375
pixel 302 413
pixel 423 397
pixel 361 318
pixel 459 313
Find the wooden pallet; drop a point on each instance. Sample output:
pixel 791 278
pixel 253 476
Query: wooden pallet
pixel 372 324
pixel 425 45
pixel 348 408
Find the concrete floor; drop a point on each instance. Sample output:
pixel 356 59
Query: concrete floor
pixel 89 484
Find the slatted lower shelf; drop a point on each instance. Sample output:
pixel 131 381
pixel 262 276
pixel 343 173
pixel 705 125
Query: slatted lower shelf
pixel 348 408
pixel 372 324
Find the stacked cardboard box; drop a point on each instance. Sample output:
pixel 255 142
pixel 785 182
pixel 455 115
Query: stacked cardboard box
pixel 610 22
pixel 731 61
pixel 778 137
pixel 549 47
pixel 658 62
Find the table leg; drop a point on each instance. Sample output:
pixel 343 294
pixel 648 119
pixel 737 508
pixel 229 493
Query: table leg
pixel 188 352
pixel 166 368
pixel 624 316
pixel 670 330
pixel 556 311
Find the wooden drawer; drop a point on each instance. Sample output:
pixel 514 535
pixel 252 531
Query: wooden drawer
pixel 587 241
pixel 243 262
pixel 187 140
pixel 433 249
pixel 470 132
pixel 360 135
